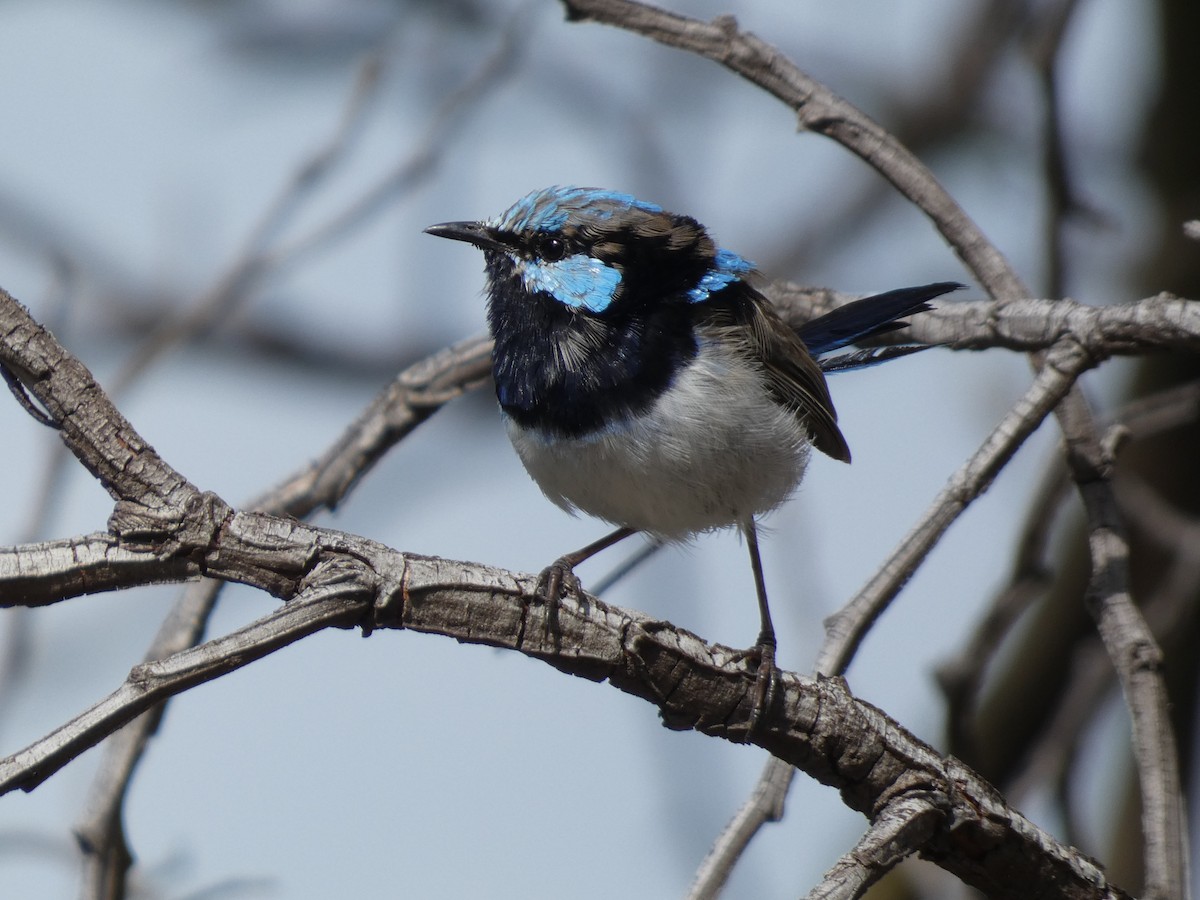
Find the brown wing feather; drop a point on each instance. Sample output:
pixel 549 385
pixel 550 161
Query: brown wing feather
pixel 793 376
pixel 795 379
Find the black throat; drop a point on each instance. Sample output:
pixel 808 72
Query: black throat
pixel 568 372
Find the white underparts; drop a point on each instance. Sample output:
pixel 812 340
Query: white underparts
pixel 712 451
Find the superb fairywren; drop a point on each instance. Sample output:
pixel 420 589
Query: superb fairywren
pixel 644 380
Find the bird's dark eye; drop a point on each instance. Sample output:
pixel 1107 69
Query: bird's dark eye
pixel 551 249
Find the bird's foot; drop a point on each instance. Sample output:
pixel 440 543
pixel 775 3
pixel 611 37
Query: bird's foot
pixel 556 581
pixel 764 682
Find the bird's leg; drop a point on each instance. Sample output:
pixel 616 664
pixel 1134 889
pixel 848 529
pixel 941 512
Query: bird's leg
pixel 560 576
pixel 764 647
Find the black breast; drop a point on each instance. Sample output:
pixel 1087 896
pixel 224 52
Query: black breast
pixel 568 371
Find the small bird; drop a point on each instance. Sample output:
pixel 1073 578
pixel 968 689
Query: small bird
pixel 644 380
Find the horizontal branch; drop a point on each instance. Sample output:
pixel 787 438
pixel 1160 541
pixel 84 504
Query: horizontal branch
pixel 44 573
pixel 1162 322
pixel 816 725
pixel 167 528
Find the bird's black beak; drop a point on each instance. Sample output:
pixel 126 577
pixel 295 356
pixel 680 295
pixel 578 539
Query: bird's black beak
pixel 472 232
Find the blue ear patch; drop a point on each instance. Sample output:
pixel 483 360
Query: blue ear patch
pixel 579 280
pixel 727 267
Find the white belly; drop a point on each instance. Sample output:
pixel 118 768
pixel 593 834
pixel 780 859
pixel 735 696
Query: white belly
pixel 713 451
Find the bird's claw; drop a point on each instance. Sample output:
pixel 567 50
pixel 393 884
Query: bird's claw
pixel 556 581
pixel 764 682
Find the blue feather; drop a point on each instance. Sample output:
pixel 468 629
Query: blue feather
pixel 551 208
pixel 869 316
pixel 579 280
pixel 727 268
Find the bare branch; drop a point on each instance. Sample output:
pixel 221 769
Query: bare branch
pixel 338 579
pixel 820 110
pixel 400 408
pixel 960 677
pixel 101 831
pixel 764 805
pixel 414 171
pixel 91 427
pixel 1138 661
pixel 45 573
pixel 1166 610
pixel 1162 322
pixel 412 397
pixel 251 263
pixel 846 628
pixel 815 724
pixel 264 253
pixel 1044 45
pixel 151 683
pixel 946 108
pixel 1157 322
pixel 900 829
pixel 212 538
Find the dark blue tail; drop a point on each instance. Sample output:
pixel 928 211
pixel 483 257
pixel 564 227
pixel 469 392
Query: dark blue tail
pixel 866 318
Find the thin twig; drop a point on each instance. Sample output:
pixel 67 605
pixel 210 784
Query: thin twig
pixel 764 805
pixel 846 628
pixel 960 677
pixel 1138 662
pixel 898 830
pixel 251 263
pixel 450 115
pixel 1044 45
